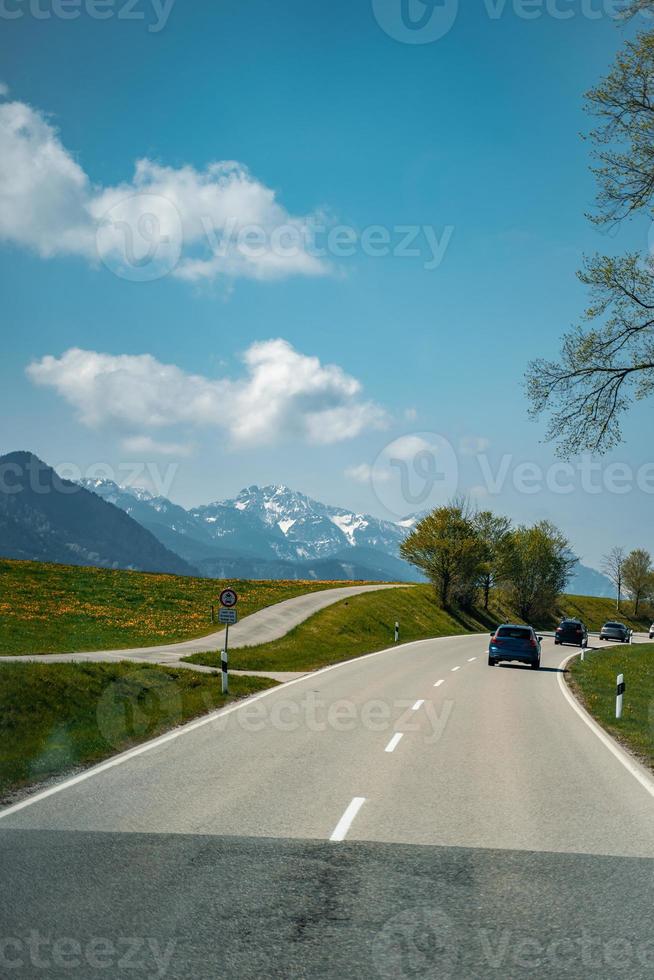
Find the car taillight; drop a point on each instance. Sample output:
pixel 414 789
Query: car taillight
pixel 532 642
pixel 559 629
pixel 496 641
pixel 578 630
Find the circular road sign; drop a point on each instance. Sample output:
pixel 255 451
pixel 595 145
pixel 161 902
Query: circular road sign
pixel 228 598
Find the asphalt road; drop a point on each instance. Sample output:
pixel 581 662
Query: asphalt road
pixel 414 813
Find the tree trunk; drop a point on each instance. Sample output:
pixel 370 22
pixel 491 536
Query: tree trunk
pixel 445 591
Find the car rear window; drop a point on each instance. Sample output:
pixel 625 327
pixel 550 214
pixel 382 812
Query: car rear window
pixel 571 623
pixel 514 632
pixel 615 625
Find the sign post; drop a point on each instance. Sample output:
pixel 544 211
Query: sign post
pixel 227 615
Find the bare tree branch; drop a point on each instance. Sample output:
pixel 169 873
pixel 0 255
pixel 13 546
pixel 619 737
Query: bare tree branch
pixel 602 369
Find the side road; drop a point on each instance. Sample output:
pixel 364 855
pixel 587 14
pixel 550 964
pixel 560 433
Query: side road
pixel 263 626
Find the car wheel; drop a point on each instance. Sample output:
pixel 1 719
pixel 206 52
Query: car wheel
pixel 536 665
pixel 492 661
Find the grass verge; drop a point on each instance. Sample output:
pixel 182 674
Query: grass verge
pixel 595 612
pixel 55 718
pixel 48 608
pixel 594 681
pixel 365 623
pixel 350 628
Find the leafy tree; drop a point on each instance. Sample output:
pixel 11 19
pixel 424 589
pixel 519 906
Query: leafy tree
pixel 608 360
pixel 446 546
pixel 638 576
pixel 613 568
pixel 492 530
pixel 535 566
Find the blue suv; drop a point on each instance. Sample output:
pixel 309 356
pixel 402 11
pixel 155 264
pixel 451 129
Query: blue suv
pixel 515 643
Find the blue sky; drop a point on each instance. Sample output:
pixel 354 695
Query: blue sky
pixel 475 136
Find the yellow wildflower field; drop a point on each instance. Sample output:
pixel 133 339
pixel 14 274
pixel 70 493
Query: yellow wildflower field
pixel 46 608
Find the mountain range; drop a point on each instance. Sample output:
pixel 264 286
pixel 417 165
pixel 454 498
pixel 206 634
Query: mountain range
pixel 46 518
pixel 263 532
pixel 268 532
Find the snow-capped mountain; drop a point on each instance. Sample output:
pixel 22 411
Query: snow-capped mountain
pixel 274 527
pixel 303 528
pixel 277 532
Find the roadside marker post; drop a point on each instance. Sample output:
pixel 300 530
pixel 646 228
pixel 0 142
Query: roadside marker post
pixel 227 614
pixel 397 632
pixel 619 694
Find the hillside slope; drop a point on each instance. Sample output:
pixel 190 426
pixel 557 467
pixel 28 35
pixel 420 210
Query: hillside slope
pixel 48 608
pixel 45 518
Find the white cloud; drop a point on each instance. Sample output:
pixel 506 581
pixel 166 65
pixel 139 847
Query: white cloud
pixel 44 193
pixel 4 90
pixel 195 224
pixel 360 474
pixel 146 444
pixel 407 447
pixel 282 395
pixel 473 445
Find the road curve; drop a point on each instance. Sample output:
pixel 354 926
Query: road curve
pixel 263 626
pixel 414 797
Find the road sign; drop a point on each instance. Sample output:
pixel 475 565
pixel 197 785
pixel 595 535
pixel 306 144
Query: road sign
pixel 228 616
pixel 228 598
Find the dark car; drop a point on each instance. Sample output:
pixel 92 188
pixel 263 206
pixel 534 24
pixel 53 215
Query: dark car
pixel 515 643
pixel 616 632
pixel 571 631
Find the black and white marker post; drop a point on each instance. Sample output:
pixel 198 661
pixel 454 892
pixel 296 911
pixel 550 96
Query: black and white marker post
pixel 227 615
pixel 619 694
pixel 397 632
pixel 223 664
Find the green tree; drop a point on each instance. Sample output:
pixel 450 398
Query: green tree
pixel 638 577
pixel 535 566
pixel 608 360
pixel 446 546
pixel 493 530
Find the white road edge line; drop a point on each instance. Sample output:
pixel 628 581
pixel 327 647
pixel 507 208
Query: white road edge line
pixel 629 764
pixel 191 726
pixel 394 742
pixel 418 705
pixel 344 824
pixel 455 668
pixel 438 683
